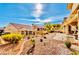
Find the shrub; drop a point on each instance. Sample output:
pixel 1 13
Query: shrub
pixel 68 44
pixel 75 53
pixel 12 38
pixel 32 41
pixel 41 40
pixel 0 42
pixel 46 33
pixel 28 37
pixel 51 31
pixel 44 37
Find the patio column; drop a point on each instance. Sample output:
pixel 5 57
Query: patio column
pixel 78 24
pixel 66 29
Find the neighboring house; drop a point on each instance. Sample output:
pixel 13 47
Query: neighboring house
pixel 1 30
pixel 39 29
pixel 23 29
pixel 71 23
pixel 20 28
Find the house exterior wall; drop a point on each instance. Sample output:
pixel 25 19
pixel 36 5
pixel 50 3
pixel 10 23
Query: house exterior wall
pixel 74 17
pixel 24 31
pixel 66 29
pixel 74 7
pixel 11 29
pixel 78 24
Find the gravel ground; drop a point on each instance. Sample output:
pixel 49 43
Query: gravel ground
pixel 9 49
pixel 53 44
pixel 51 47
pixel 26 47
pixel 13 49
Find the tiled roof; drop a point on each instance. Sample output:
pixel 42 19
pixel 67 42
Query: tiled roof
pixel 26 27
pixel 40 26
pixel 22 26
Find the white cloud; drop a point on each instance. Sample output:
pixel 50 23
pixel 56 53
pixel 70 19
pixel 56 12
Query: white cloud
pixel 38 10
pixel 35 20
pixel 47 20
pixel 39 6
pixel 41 21
pixel 50 19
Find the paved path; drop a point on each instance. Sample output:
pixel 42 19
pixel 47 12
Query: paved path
pixel 50 47
pixel 2 41
pixel 21 48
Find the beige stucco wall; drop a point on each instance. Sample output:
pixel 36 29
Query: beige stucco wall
pixel 74 7
pixel 66 29
pixel 10 28
pixel 78 24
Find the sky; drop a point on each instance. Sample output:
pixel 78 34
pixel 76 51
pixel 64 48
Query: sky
pixel 32 13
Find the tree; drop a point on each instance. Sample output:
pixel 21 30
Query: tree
pixel 56 26
pixel 48 27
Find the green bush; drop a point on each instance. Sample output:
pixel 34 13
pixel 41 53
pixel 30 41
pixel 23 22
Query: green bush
pixel 68 44
pixel 12 38
pixel 75 53
pixel 32 41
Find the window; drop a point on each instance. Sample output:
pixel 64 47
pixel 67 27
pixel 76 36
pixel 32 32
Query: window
pixel 22 32
pixel 26 32
pixel 30 32
pixel 33 33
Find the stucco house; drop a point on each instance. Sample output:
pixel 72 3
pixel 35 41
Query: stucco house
pixel 71 23
pixel 1 30
pixel 23 29
pixel 20 28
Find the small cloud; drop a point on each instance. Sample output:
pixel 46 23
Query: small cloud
pixel 47 20
pixel 42 21
pixel 38 23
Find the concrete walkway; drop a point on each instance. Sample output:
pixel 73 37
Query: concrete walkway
pixel 21 48
pixel 2 41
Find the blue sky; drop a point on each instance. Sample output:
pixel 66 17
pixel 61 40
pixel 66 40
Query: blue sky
pixel 29 13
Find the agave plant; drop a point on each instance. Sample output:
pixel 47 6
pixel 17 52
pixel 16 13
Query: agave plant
pixel 68 44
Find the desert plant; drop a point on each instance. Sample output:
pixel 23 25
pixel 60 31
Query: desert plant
pixel 12 38
pixel 70 39
pixel 41 40
pixel 0 42
pixel 48 27
pixel 28 37
pixel 74 53
pixel 32 41
pixel 44 37
pixel 68 44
